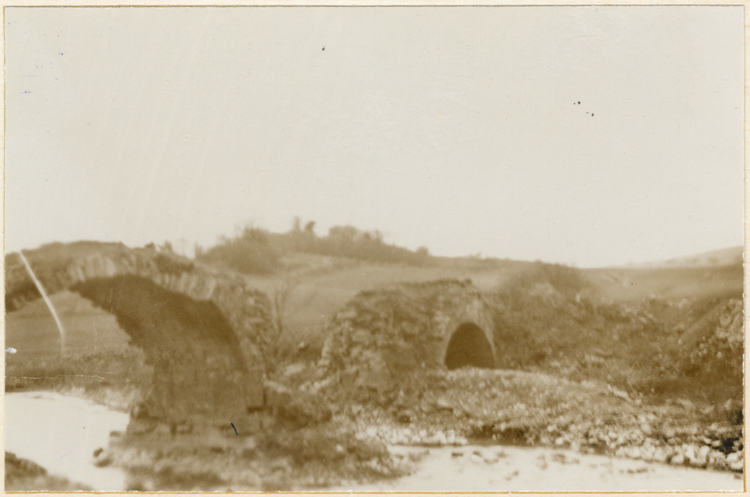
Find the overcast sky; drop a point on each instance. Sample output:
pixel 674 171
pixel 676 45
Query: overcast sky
pixel 458 129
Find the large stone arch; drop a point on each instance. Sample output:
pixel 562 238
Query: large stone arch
pixel 383 333
pixel 204 330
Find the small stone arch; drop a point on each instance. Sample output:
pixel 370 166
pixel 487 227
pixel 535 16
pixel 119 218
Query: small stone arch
pixel 381 334
pixel 468 346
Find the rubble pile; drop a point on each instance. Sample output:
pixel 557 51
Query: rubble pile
pixel 531 409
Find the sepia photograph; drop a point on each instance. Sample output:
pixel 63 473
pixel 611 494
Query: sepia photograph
pixel 374 248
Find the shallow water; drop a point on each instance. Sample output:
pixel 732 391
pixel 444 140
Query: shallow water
pixel 61 433
pixel 494 468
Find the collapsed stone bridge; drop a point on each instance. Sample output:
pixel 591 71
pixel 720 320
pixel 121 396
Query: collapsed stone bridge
pixel 205 331
pixel 382 334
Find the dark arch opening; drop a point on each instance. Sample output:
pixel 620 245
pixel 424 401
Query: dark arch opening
pixel 469 346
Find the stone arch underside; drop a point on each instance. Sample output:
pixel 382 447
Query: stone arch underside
pixel 203 330
pixel 382 334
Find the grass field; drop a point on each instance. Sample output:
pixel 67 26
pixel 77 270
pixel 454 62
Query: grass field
pixel 33 333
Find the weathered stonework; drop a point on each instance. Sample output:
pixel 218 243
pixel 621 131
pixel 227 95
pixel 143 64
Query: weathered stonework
pixel 204 330
pixel 381 334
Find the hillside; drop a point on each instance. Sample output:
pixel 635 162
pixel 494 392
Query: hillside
pixel 623 284
pixel 712 258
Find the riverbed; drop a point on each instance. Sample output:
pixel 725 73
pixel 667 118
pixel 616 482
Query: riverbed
pixel 61 434
pixel 502 469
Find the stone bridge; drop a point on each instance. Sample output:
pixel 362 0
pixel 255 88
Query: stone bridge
pixel 382 334
pixel 206 331
pixel 203 330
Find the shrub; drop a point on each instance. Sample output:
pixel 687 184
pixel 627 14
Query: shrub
pixel 249 252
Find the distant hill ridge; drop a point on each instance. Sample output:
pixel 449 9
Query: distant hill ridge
pixel 721 257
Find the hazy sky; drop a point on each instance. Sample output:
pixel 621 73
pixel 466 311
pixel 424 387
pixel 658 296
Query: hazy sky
pixel 453 128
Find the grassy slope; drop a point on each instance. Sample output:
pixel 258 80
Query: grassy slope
pixel 721 257
pixel 622 284
pixel 33 333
